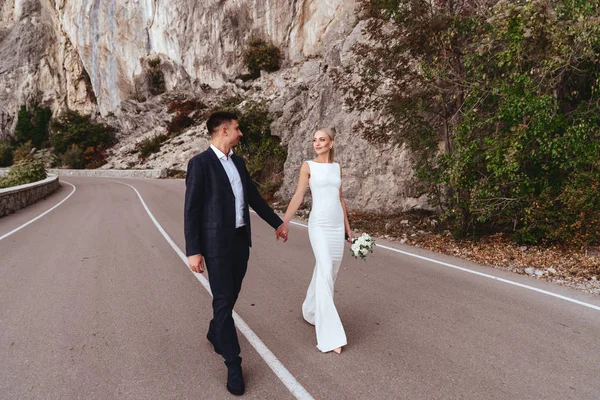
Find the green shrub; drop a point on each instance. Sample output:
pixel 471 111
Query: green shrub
pixel 154 62
pixel 156 82
pixel 186 115
pixel 260 55
pixel 32 125
pixel 151 145
pixel 178 124
pixel 73 158
pixel 185 107
pixel 263 152
pixel 22 172
pixel 24 151
pixel 176 173
pixel 137 96
pixel 6 154
pixel 512 92
pixel 94 158
pixel 73 131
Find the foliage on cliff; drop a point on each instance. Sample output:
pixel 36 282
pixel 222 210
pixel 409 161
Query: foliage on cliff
pixel 510 89
pixel 261 55
pixel 263 153
pixel 79 141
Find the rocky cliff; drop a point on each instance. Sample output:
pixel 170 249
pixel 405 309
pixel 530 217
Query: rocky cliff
pixel 89 55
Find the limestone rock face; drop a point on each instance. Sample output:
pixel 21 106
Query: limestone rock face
pixel 205 38
pixel 100 57
pixel 38 63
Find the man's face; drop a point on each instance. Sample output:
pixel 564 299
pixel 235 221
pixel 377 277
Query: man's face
pixel 234 133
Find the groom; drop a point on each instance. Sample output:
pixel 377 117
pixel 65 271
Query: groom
pixel 217 232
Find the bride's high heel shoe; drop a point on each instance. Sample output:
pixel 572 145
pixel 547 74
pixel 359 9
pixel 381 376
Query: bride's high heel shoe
pixel 338 350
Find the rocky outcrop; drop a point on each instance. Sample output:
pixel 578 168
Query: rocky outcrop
pixel 302 98
pixel 38 63
pixel 205 38
pixel 102 57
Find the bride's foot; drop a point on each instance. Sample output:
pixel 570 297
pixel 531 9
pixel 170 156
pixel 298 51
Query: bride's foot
pixel 338 350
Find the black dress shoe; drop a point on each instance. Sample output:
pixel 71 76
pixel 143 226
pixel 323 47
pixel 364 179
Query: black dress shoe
pixel 214 343
pixel 235 380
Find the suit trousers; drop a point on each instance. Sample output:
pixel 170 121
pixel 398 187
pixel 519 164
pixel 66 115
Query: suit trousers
pixel 225 275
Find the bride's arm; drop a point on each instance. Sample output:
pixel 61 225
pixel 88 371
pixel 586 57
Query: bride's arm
pixel 346 222
pixel 298 197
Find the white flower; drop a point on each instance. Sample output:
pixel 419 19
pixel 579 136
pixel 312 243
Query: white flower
pixel 361 246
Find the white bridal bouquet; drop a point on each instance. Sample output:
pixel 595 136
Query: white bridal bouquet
pixel 361 246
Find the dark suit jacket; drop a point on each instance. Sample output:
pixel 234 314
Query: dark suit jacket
pixel 209 220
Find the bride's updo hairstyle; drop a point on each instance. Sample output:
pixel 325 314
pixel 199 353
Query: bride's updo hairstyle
pixel 331 133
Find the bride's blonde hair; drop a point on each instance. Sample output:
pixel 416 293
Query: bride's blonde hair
pixel 331 133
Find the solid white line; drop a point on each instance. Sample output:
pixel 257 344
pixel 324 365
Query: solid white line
pixel 558 296
pixel 278 368
pixel 41 215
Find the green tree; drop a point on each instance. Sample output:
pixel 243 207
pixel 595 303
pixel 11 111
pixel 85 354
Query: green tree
pixel 32 125
pixel 512 92
pixel 6 154
pixel 529 136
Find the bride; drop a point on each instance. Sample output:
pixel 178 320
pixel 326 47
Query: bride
pixel 327 224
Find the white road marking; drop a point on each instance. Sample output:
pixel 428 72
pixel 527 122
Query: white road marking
pixel 41 215
pixel 558 296
pixel 278 368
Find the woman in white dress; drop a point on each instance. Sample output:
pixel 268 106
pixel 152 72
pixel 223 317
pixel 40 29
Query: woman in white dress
pixel 327 224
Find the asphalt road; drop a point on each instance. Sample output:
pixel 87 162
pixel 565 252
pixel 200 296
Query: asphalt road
pixel 96 304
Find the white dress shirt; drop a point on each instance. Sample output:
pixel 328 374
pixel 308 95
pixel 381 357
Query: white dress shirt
pixel 236 184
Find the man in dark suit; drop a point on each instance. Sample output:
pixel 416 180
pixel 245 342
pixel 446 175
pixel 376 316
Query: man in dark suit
pixel 217 232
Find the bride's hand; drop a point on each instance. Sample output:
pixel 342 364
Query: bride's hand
pixel 282 232
pixel 350 235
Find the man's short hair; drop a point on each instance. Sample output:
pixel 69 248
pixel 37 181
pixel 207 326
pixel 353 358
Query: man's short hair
pixel 219 118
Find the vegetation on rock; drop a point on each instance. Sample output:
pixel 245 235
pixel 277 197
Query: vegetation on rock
pixel 80 142
pixel 261 55
pixel 511 90
pixel 263 153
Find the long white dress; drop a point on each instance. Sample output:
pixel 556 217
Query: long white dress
pixel 326 233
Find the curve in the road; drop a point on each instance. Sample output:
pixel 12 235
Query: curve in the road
pixel 278 368
pixel 41 215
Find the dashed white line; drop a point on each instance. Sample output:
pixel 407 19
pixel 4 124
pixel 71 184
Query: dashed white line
pixel 278 368
pixel 41 215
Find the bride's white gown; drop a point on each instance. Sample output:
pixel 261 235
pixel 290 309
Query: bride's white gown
pixel 326 233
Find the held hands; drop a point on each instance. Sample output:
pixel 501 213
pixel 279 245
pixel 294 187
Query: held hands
pixel 282 232
pixel 196 263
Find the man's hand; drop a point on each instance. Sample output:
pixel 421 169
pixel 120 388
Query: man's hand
pixel 196 263
pixel 282 232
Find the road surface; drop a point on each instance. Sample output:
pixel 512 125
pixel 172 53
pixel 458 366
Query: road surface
pixel 95 303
